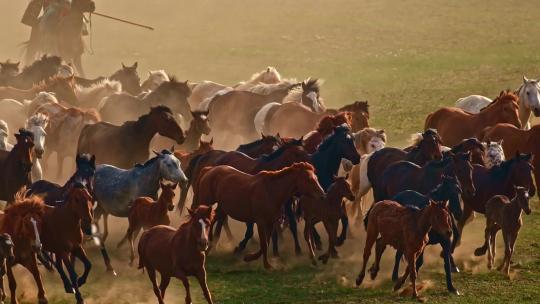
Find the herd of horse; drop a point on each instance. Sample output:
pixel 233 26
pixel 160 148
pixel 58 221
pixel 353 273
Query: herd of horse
pixel 299 159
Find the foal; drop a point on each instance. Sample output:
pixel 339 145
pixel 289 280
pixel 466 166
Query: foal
pixel 406 229
pixel 328 210
pixel 504 214
pixel 147 213
pixel 177 253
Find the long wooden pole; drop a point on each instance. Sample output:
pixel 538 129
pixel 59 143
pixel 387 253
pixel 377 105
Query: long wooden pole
pixel 124 21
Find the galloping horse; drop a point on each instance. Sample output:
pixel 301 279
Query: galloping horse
pixel 122 107
pixel 245 198
pixel 65 40
pixel 44 68
pixel 128 144
pixel 62 87
pixel 114 187
pixel 177 253
pixel 16 166
pixel 514 139
pixel 186 157
pixel 454 124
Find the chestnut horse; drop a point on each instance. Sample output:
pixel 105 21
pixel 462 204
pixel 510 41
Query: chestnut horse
pixel 177 253
pixel 428 147
pixel 498 180
pixel 328 211
pixel 16 166
pixel 145 213
pixel 186 157
pixel 128 144
pixel 326 126
pixel 406 229
pixel 245 198
pixel 514 139
pixel 454 124
pixel 504 214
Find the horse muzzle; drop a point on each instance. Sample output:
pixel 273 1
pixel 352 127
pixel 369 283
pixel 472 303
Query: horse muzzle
pixel 170 207
pixel 39 153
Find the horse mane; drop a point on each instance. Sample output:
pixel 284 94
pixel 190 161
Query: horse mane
pixel 415 139
pixel 45 84
pixel 4 126
pixel 327 142
pixel 343 117
pixel 147 163
pixel 172 85
pixel 312 84
pixel 252 144
pixel 298 166
pixel 504 96
pixel 503 169
pixel 278 152
pixel 113 85
pixel 475 142
pixel 23 208
pixel 267 88
pixel 201 212
pixel 268 75
pixel 326 124
pixel 362 106
pixel 44 61
pixel 39 119
pixel 156 109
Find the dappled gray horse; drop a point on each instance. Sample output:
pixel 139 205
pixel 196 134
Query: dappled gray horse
pixel 114 188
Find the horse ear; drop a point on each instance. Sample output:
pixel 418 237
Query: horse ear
pixel 211 140
pixel 172 148
pixel 136 64
pixel 193 113
pixel 347 175
pixel 93 160
pixel 500 142
pixel 156 153
pixel 467 156
pixel 190 211
pixel 149 73
pixel 262 135
pixel 334 177
pixel 123 66
pixel 528 156
pixel 525 79
pixel 206 112
pixel 174 186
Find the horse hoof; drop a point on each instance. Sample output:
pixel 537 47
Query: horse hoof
pixel 359 280
pixel 112 271
pixel 313 262
pixel 454 292
pixel 81 282
pixel 373 273
pixel 238 250
pixel 297 251
pixel 480 251
pixel 324 258
pixel 318 246
pixel 340 241
pixel 455 269
pixel 43 301
pixel 398 285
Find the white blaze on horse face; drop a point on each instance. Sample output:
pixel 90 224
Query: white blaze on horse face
pixel 39 139
pixel 204 236
pixel 36 232
pixel 375 144
pixel 315 102
pixel 532 94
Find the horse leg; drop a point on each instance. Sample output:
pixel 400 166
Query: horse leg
pixel 152 276
pixel 371 238
pixel 345 225
pixel 60 269
pixel 201 277
pixel 331 230
pixel 183 196
pixel 308 238
pixel 165 280
pixel 33 268
pixel 397 261
pixel 185 281
pixel 72 276
pixel 447 257
pixel 247 236
pixel 412 267
pixel 81 255
pixel 317 238
pixel 265 232
pixel 289 213
pixel 12 284
pixel 480 251
pixel 131 238
pixel 399 283
pixel 506 239
pixel 106 258
pixel 492 242
pixel 467 212
pixel 512 245
pixel 105 227
pixel 379 250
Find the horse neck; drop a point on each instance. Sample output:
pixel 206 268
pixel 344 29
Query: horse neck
pixel 487 117
pixel 423 221
pixel 148 178
pixel 326 165
pixel 162 202
pixel 282 185
pixel 515 209
pixel 64 214
pixel 144 130
pixel 193 136
pixel 523 110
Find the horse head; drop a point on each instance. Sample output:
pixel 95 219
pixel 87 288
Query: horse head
pixel 82 204
pixel 530 95
pixel 85 170
pixel 170 168
pixel 342 188
pixel 167 194
pixel 201 219
pixel 6 248
pixel 473 145
pixel 9 69
pixel 154 80
pixel 494 153
pixel 200 122
pixel 449 190
pixel 37 124
pixel 23 150
pixel 163 121
pixel 429 144
pixel 129 78
pixel 460 166
pixel 344 144
pixel 521 171
pixel 504 109
pixel 306 180
pixel 522 197
pixel 311 95
pixel 439 217
pixel 205 146
pixel 174 94
pixel 62 87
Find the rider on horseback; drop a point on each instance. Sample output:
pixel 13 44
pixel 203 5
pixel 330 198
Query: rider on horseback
pixel 53 12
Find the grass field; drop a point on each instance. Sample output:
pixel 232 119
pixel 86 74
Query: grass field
pixel 407 58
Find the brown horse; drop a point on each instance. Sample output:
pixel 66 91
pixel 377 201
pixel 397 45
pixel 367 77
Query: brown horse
pixel 265 145
pixel 504 214
pixel 232 114
pixel 426 148
pixel 515 139
pixel 177 253
pixel 22 221
pixel 360 113
pixel 328 211
pixel 16 166
pixel 198 127
pixel 65 39
pixel 129 78
pixel 186 157
pixel 326 126
pixel 63 88
pixel 454 124
pixel 245 198
pixel 145 213
pixel 128 144
pixel 406 229
pixel 497 180
pixel 474 146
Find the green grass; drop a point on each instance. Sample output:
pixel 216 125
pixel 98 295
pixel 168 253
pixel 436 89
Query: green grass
pixel 406 57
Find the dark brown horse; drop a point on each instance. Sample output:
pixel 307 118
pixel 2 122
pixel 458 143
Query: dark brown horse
pixel 122 107
pixel 426 148
pixel 514 139
pixel 198 127
pixel 405 175
pixel 328 211
pixel 265 145
pixel 474 146
pixel 498 180
pixel 177 253
pixel 129 78
pixel 454 124
pixel 44 68
pixel 245 198
pixel 63 88
pixel 128 144
pixel 406 229
pixel 16 166
pixel 65 40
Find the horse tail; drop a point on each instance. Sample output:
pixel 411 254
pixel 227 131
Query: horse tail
pixel 429 123
pixel 262 116
pixel 366 218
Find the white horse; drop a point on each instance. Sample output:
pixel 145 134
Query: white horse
pixel 529 101
pixel 473 103
pixel 494 153
pixel 91 97
pixel 154 80
pixel 4 134
pixel 37 124
pixel 205 90
pixel 269 75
